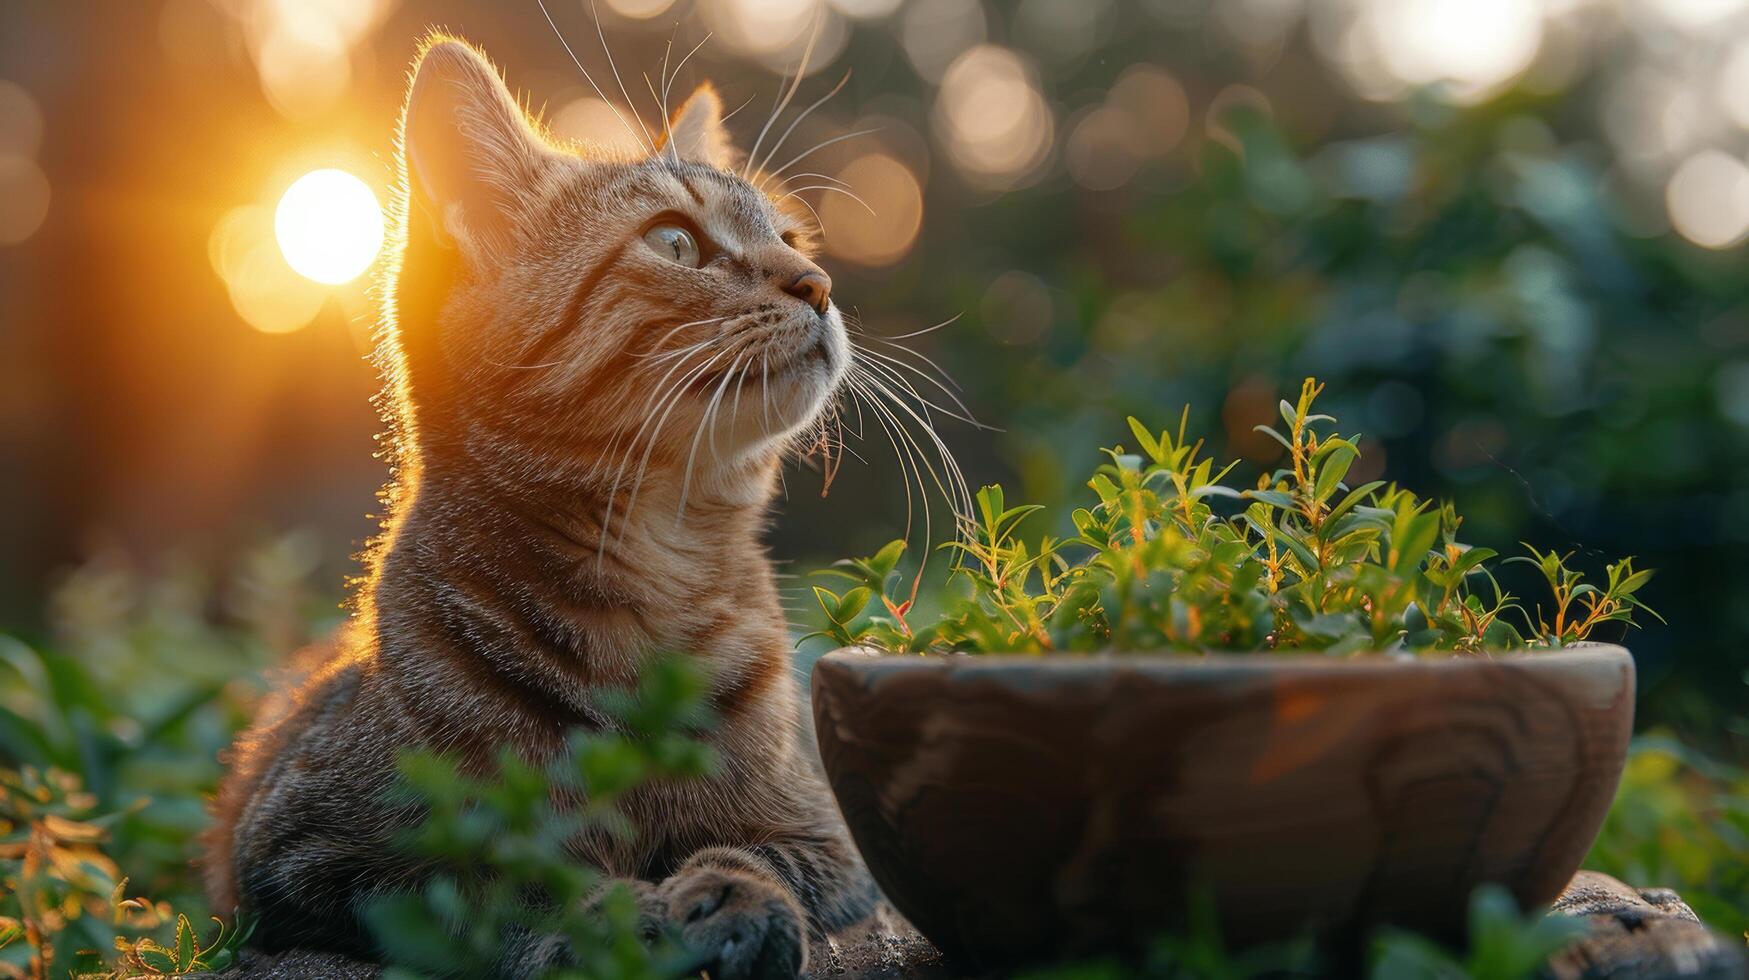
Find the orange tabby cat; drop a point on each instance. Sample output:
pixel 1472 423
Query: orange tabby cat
pixel 594 365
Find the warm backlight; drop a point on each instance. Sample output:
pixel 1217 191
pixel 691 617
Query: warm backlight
pixel 329 226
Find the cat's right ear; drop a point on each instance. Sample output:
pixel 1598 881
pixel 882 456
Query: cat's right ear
pixel 471 155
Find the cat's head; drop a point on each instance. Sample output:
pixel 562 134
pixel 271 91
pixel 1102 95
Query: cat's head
pixel 564 308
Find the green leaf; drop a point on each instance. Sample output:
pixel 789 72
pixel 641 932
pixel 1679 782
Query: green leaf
pixel 1332 470
pixel 852 604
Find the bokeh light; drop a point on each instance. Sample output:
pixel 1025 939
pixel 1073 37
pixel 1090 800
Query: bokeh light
pixel 995 123
pixel 24 188
pixel 593 122
pixel 304 49
pixel 24 199
pixel 329 226
pixel 1470 47
pixel 1103 151
pixel 884 231
pixel 639 9
pixel 1062 31
pixel 21 121
pixel 1016 308
pixel 264 290
pixel 935 32
pixel 1708 199
pixel 777 32
pixel 1144 116
pixel 865 9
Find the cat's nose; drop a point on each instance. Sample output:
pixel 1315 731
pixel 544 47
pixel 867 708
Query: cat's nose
pixel 812 287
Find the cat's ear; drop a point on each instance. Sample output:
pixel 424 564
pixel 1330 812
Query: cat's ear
pixel 471 155
pixel 697 132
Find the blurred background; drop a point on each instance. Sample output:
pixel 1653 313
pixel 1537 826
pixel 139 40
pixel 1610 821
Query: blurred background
pixel 1507 233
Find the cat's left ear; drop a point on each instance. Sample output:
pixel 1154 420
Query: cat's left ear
pixel 697 133
pixel 471 156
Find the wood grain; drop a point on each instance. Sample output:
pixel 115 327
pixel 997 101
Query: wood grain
pixel 1019 809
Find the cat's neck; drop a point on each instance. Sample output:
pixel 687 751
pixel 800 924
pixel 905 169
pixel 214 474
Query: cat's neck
pixel 576 570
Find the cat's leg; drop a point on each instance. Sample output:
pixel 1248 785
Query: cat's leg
pixel 752 910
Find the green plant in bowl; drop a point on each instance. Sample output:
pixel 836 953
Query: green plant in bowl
pixel 1312 701
pixel 1172 556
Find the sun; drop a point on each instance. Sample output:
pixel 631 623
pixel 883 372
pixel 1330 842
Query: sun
pixel 329 226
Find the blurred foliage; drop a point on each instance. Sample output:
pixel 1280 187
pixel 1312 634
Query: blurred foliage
pixel 110 742
pixel 63 904
pixel 1681 820
pixel 504 875
pixel 170 639
pixel 1301 561
pixel 1464 286
pixel 1502 943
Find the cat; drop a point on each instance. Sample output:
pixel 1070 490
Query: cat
pixel 573 493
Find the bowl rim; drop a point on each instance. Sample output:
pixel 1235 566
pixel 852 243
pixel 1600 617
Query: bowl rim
pixel 1262 662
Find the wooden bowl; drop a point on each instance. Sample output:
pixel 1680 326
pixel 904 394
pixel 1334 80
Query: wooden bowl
pixel 1019 809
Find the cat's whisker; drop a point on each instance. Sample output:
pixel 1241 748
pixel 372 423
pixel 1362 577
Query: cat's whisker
pixel 953 477
pixel 815 174
pixel 658 355
pixel 522 367
pixel 765 394
pixel 890 364
pixel 783 102
pixel 797 121
pixel 649 140
pixel 899 381
pixel 735 409
pixel 960 497
pixel 744 104
pixel 662 397
pixel 829 187
pixel 906 452
pixel 669 79
pixel 667 128
pixel 707 423
pixel 925 358
pixel 930 329
pixel 798 158
pixel 818 223
pixel 679 391
pixel 588 77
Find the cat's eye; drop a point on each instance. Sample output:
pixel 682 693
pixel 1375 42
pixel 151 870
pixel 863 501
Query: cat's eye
pixel 675 244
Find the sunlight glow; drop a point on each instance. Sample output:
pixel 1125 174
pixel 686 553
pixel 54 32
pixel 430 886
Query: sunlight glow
pixel 329 226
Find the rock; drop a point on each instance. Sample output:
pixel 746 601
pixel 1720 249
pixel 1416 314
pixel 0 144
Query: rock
pixel 887 949
pixel 1640 934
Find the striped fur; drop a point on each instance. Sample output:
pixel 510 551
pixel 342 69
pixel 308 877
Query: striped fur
pixel 586 438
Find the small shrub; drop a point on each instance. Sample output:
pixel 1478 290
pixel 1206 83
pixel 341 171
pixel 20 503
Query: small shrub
pixel 63 905
pixel 1171 556
pixel 498 844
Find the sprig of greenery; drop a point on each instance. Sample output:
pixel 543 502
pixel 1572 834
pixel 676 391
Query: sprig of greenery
pixel 63 900
pixel 1301 561
pixel 497 845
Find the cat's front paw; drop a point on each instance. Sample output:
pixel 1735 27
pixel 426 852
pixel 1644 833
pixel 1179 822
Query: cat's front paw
pixel 744 925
